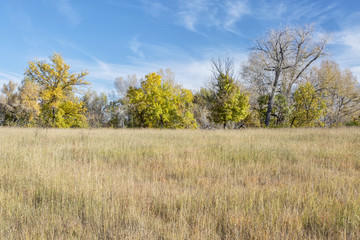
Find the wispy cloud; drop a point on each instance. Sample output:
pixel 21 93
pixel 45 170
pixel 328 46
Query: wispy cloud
pixel 235 11
pixel 194 14
pixel 5 77
pixel 190 10
pixel 102 75
pixel 346 49
pixel 155 8
pixel 65 8
pixel 192 73
pixel 292 12
pixel 356 72
pixel 226 14
pixel 311 10
pixel 135 47
pixel 350 38
pixel 152 51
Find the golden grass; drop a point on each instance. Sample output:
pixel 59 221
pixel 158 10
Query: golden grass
pixel 179 184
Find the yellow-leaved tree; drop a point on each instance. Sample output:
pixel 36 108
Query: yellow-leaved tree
pixel 160 104
pixel 309 107
pixel 58 105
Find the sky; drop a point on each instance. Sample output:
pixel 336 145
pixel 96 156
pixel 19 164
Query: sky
pixel 116 38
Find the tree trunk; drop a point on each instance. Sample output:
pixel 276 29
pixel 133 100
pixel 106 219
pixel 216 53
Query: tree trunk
pixel 271 98
pixel 53 112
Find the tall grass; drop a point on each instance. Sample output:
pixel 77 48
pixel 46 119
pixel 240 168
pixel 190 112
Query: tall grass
pixel 178 184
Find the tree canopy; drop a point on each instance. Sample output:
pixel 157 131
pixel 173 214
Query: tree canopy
pixel 54 86
pixel 280 58
pixel 160 104
pixel 227 102
pixel 308 108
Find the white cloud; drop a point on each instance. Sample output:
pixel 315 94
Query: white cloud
pixel 235 11
pixel 292 12
pixel 346 46
pixel 189 22
pixel 154 8
pixel 309 10
pixel 348 42
pixel 143 51
pixel 189 70
pixel 356 72
pixel 102 75
pixel 194 14
pixel 65 8
pixel 192 73
pixel 226 14
pixel 351 38
pixel 190 11
pixel 135 47
pixel 5 77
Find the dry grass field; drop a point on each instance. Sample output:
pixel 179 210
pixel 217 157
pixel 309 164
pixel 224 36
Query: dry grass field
pixel 179 184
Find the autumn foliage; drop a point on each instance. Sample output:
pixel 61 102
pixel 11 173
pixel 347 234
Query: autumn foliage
pixel 159 104
pixel 280 85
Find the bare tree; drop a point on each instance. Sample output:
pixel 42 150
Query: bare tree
pixel 280 58
pixel 12 111
pixel 122 85
pixel 167 75
pixel 223 66
pixel 339 89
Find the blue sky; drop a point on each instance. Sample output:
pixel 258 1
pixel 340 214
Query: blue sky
pixel 113 38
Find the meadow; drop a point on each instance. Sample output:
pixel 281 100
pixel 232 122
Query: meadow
pixel 180 184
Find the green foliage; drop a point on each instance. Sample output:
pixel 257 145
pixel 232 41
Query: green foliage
pixel 309 107
pixel 158 104
pixel 280 110
pixel 354 122
pixel 227 102
pixel 56 86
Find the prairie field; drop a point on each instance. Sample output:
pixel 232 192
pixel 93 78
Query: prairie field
pixel 180 184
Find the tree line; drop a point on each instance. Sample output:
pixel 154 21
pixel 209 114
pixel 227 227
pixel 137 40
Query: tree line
pixel 280 85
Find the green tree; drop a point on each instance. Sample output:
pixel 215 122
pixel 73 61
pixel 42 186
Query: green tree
pixel 227 103
pixel 280 111
pixel 59 107
pixel 309 107
pixel 160 104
